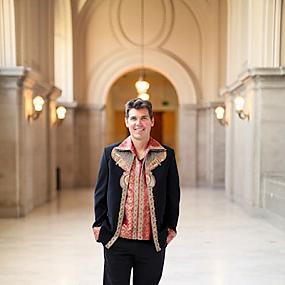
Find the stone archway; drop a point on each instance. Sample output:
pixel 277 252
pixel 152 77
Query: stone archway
pixel 164 102
pixel 122 62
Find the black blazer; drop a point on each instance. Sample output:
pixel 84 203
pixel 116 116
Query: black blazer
pixel 110 193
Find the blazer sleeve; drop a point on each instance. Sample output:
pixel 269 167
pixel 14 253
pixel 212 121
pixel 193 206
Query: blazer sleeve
pixel 100 195
pixel 173 194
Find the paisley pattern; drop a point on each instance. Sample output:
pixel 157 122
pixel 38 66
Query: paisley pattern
pixel 124 157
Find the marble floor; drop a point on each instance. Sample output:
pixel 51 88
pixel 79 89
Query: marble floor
pixel 217 244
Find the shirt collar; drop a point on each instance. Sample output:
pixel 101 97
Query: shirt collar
pixel 153 145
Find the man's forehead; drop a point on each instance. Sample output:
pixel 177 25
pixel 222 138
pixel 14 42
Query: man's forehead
pixel 138 112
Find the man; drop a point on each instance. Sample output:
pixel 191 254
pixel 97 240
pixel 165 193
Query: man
pixel 136 202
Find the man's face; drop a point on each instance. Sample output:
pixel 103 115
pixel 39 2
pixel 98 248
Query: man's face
pixel 139 124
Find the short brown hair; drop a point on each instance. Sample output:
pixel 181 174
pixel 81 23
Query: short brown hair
pixel 137 104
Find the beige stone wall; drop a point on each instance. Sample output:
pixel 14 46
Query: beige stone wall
pixel 65 151
pixel 255 147
pixel 80 142
pixel 254 29
pixel 29 178
pixel 283 34
pixel 7 34
pixel 82 147
pixel 223 40
pixel 9 106
pixel 63 49
pixel 191 32
pixel 34 24
pixel 188 36
pixel 160 90
pixel 185 41
pixel 210 149
pixel 28 147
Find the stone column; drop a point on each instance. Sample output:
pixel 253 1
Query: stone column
pixel 66 149
pixel 210 148
pixel 203 146
pixel 217 150
pixel 256 147
pixel 52 124
pixel 254 34
pixel 98 137
pixel 229 149
pixel 90 138
pixel 10 116
pixel 26 145
pixel 7 34
pixel 187 145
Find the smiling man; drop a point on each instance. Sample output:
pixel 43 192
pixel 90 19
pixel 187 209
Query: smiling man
pixel 136 202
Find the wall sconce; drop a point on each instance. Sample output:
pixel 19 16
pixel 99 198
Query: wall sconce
pixel 37 108
pixel 60 114
pixel 220 115
pixel 239 105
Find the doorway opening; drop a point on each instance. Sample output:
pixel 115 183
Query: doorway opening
pixel 164 101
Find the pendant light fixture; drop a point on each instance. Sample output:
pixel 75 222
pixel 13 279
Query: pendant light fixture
pixel 141 85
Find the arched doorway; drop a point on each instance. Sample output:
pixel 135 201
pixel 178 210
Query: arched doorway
pixel 164 100
pixel 187 90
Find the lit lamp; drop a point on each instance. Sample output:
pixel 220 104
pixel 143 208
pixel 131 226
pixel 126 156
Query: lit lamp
pixel 38 103
pixel 60 114
pixel 141 85
pixel 220 115
pixel 144 96
pixel 239 106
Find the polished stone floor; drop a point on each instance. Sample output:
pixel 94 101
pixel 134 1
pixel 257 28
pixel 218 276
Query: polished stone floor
pixel 217 244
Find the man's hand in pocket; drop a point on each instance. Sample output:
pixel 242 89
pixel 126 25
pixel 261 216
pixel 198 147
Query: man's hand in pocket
pixel 96 231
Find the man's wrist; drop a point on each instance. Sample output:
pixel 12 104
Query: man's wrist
pixel 96 231
pixel 171 231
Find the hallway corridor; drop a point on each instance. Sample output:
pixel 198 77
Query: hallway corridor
pixel 217 244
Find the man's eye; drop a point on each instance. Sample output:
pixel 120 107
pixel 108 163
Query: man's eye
pixel 133 118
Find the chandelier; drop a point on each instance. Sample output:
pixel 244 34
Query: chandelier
pixel 141 85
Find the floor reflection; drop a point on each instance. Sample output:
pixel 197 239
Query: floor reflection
pixel 217 244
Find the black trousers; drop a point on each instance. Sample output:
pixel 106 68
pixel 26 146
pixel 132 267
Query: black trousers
pixel 141 256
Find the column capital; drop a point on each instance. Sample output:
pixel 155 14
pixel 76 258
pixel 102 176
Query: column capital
pixel 253 74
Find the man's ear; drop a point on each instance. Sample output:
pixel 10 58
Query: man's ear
pixel 152 121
